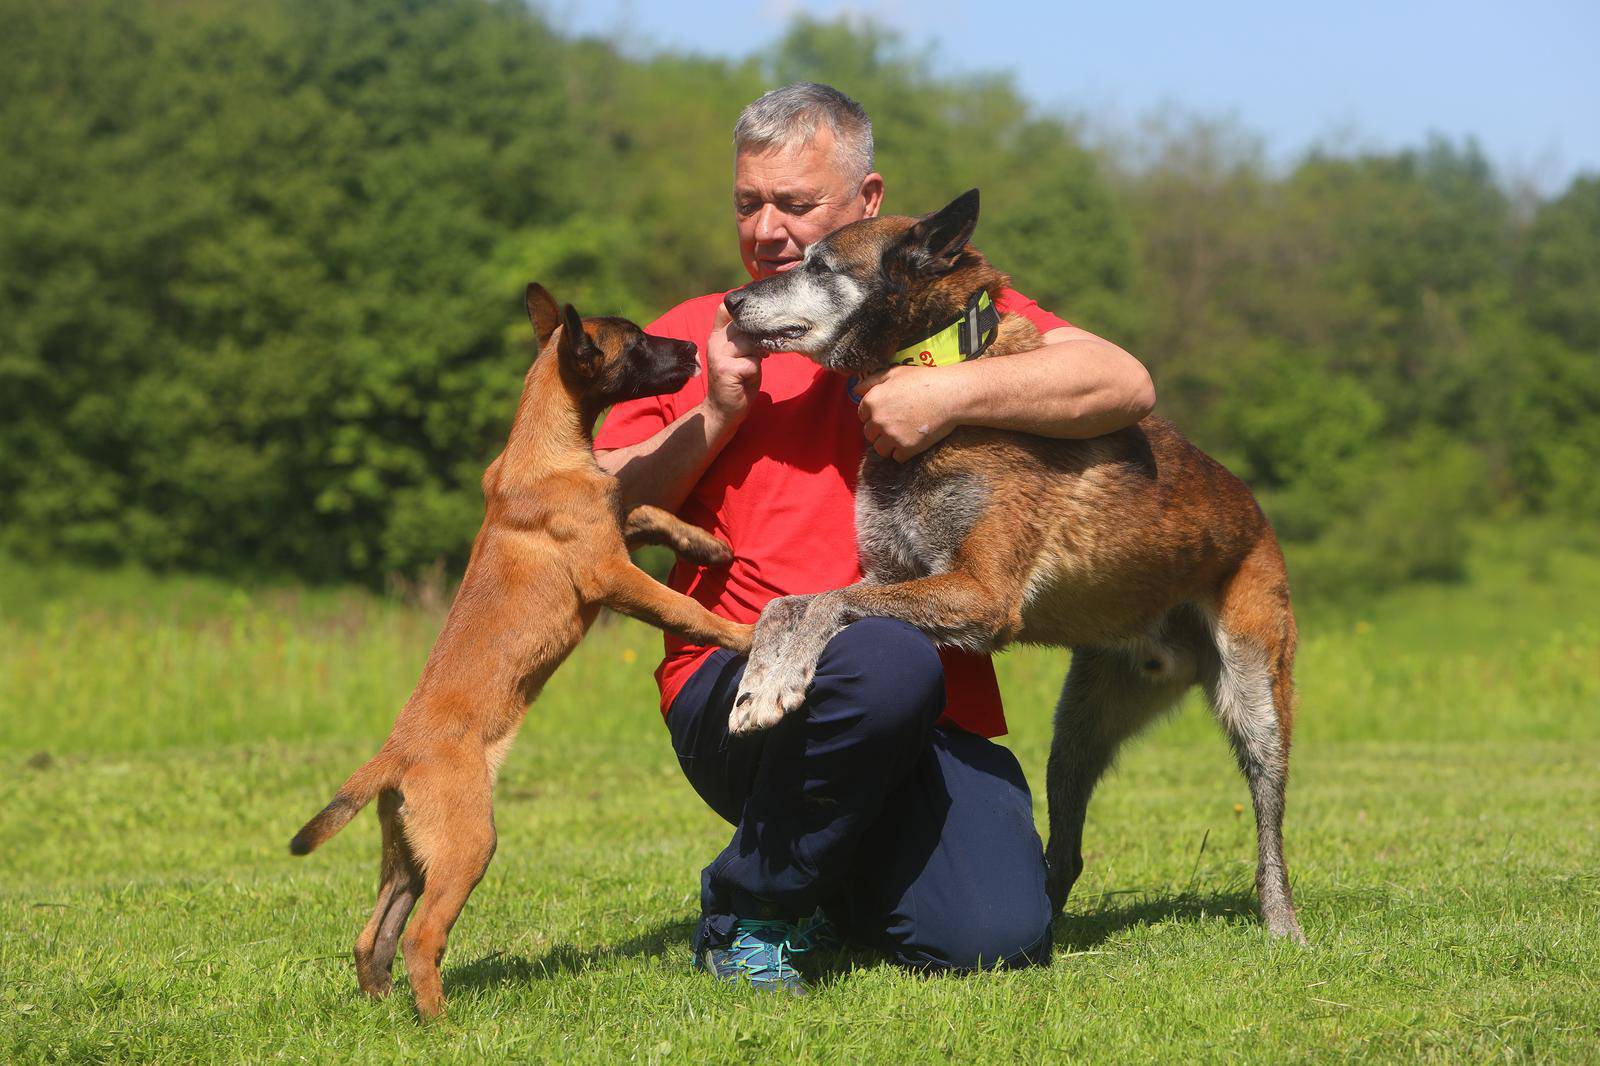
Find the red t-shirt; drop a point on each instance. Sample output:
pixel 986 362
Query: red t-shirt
pixel 782 494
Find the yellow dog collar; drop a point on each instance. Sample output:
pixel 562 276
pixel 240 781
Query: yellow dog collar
pixel 966 338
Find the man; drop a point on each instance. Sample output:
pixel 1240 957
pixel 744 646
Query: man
pixel 885 804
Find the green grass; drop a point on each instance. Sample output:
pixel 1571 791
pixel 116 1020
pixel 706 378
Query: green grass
pixel 161 739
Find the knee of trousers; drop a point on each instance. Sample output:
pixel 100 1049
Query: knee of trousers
pixel 999 941
pixel 891 669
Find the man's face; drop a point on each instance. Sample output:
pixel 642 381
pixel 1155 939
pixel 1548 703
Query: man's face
pixel 786 198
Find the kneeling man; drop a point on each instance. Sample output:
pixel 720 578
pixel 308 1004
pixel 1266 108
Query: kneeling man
pixel 885 809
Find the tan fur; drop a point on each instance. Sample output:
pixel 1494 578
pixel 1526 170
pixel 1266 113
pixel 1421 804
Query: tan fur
pixel 552 551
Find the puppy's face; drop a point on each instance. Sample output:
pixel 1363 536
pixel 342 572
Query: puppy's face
pixel 848 302
pixel 611 359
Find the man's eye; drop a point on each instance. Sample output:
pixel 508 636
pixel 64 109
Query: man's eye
pixel 798 208
pixel 745 207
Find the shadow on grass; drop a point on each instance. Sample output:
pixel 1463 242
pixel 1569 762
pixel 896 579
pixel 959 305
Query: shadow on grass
pixel 1105 917
pixel 567 959
pixel 1077 930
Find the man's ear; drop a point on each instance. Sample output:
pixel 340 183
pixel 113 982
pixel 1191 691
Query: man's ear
pixel 575 348
pixel 934 244
pixel 542 312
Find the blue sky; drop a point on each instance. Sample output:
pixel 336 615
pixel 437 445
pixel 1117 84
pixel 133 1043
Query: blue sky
pixel 1524 78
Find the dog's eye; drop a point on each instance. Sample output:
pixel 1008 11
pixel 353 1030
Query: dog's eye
pixel 816 266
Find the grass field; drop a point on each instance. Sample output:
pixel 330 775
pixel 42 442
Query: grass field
pixel 161 739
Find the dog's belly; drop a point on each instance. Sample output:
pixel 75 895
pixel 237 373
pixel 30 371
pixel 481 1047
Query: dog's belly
pixel 1088 542
pixel 1069 602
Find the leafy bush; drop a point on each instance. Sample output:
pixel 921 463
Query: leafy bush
pixel 262 262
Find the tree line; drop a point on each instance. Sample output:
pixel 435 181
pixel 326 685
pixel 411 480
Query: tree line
pixel 261 262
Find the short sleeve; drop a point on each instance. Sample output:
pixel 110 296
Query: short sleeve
pixel 1013 302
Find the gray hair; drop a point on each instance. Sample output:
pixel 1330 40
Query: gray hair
pixel 791 115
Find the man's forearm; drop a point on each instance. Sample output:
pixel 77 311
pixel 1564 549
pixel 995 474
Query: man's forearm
pixel 662 470
pixel 1105 390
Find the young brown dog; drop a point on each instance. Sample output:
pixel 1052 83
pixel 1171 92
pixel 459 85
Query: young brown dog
pixel 552 551
pixel 1136 550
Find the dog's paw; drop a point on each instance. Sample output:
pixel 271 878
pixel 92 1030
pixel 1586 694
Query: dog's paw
pixel 708 551
pixel 764 702
pixel 703 549
pixel 1061 873
pixel 718 553
pixel 1286 926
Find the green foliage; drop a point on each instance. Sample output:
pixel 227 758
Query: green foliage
pixel 1560 269
pixel 263 260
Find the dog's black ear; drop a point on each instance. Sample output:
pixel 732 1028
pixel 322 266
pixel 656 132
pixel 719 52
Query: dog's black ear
pixel 542 312
pixel 934 244
pixel 575 348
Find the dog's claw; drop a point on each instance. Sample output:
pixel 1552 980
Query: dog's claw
pixel 765 702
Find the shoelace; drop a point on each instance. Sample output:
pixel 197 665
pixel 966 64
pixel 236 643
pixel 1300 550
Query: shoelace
pixel 748 944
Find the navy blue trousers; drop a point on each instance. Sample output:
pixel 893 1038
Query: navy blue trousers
pixel 916 839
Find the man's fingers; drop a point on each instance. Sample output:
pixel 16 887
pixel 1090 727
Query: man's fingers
pixel 866 384
pixel 723 317
pixel 747 348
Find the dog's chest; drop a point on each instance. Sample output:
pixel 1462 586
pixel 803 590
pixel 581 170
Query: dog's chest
pixel 911 521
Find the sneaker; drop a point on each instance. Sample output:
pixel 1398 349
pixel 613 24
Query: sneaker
pixel 816 933
pixel 760 953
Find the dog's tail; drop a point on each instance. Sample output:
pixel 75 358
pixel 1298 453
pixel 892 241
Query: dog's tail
pixel 381 772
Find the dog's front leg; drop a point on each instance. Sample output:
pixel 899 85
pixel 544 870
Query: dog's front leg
pixel 652 525
pixel 631 591
pixel 769 660
pixel 951 608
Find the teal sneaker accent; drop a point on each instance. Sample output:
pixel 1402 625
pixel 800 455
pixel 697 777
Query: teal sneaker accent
pixel 817 933
pixel 760 953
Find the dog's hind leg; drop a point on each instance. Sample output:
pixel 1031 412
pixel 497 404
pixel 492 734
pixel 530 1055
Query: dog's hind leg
pixel 399 884
pixel 1109 695
pixel 450 827
pixel 1252 694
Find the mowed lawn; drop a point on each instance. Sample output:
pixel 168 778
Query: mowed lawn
pixel 161 740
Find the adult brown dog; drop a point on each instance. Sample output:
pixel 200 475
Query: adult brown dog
pixel 1136 550
pixel 552 551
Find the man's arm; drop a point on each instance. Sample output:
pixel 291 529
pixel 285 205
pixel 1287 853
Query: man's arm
pixel 662 469
pixel 1076 385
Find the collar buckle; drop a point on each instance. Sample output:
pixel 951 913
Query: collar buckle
pixel 980 321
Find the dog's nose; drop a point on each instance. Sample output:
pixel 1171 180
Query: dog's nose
pixel 734 299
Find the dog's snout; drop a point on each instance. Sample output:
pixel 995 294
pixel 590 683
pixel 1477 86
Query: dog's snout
pixel 734 299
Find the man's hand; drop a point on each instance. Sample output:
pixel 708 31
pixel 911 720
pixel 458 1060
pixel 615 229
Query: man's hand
pixel 733 372
pixel 908 409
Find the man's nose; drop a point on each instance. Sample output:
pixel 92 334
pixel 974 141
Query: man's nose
pixel 769 224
